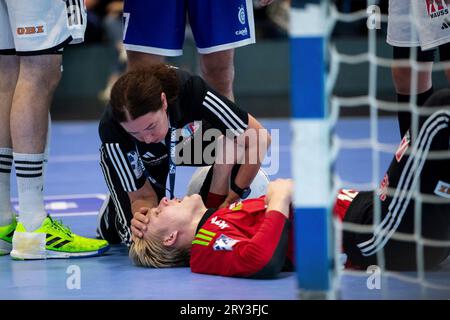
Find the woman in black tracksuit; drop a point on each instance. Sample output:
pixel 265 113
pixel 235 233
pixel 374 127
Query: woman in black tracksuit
pixel 162 111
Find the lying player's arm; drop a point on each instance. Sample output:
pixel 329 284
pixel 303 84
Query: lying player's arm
pixel 279 196
pixel 269 245
pixel 141 201
pixel 265 253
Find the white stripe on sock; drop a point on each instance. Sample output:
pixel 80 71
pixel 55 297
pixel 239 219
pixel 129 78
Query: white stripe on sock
pixel 30 190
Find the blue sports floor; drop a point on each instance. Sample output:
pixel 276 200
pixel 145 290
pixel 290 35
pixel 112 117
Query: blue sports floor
pixel 74 189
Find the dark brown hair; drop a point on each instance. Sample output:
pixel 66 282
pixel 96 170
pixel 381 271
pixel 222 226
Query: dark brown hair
pixel 138 92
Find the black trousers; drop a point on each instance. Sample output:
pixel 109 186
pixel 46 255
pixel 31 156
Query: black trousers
pixel 398 204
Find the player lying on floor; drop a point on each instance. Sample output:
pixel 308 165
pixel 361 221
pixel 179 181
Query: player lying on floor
pixel 252 238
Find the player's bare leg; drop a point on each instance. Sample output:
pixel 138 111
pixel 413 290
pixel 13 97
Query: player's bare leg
pixel 402 77
pixel 37 81
pixel 218 70
pixel 9 66
pixel 138 60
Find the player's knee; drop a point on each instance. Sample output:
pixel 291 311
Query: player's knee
pixel 138 60
pixel 258 185
pixel 9 66
pixel 402 80
pixel 54 79
pixel 217 73
pixel 42 72
pixel 218 68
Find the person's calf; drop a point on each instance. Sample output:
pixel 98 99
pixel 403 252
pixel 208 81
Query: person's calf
pixel 218 70
pixel 9 66
pixel 138 60
pixel 38 79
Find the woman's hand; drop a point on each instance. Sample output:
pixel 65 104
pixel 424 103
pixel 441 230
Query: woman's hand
pixel 139 222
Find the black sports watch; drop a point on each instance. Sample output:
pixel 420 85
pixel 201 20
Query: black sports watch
pixel 242 193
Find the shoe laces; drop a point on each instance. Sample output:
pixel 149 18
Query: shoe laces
pixel 57 224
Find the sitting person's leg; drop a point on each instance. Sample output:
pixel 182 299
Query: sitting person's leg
pixel 212 183
pixel 412 167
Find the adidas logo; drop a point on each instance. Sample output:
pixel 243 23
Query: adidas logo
pixel 445 24
pixel 148 155
pixel 55 242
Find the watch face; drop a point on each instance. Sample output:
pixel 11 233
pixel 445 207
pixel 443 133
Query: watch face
pixel 246 193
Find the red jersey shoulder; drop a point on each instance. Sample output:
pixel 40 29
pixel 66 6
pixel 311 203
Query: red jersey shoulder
pixel 230 225
pixel 249 206
pixel 213 238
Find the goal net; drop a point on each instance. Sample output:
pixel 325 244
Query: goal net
pixel 353 126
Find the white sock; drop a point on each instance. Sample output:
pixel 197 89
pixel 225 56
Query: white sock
pixel 30 184
pixel 47 145
pixel 6 213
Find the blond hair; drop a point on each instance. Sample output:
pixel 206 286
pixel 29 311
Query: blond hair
pixel 150 252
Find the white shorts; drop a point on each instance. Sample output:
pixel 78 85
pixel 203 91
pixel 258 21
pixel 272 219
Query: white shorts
pixel 40 26
pixel 413 23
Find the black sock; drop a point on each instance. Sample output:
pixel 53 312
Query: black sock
pixel 404 118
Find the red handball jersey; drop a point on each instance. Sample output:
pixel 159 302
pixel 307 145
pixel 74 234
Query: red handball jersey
pixel 245 240
pixel 242 240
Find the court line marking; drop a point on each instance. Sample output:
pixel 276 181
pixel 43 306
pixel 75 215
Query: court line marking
pixel 75 214
pixel 100 196
pixel 74 158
